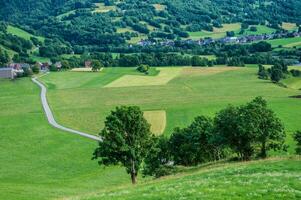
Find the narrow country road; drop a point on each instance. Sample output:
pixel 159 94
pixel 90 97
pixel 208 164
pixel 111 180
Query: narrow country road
pixel 50 116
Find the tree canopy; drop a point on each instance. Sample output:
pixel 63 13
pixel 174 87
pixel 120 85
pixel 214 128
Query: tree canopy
pixel 126 140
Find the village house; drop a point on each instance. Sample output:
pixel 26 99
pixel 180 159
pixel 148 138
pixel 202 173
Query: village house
pixel 88 64
pixel 58 65
pixel 18 66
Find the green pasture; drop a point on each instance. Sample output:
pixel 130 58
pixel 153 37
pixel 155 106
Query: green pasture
pixel 222 32
pixel 269 179
pixel 83 100
pixel 293 82
pixel 23 34
pixel 286 42
pixel 261 29
pixel 38 161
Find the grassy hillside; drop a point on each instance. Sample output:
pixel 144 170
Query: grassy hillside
pixel 90 22
pixel 76 98
pixel 222 32
pixel 22 34
pixel 269 179
pixel 39 162
pixel 286 42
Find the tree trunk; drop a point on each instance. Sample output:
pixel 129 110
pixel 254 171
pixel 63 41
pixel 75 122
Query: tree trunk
pixel 133 177
pixel 133 173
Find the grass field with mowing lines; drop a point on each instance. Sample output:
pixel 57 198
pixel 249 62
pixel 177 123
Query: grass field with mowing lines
pixel 157 120
pixel 166 74
pixel 81 101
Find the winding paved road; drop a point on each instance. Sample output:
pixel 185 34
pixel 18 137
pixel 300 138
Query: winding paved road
pixel 50 116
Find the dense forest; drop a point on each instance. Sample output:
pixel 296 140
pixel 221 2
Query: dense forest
pixel 88 24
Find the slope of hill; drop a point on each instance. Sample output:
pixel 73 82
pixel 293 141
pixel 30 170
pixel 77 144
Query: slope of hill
pixel 114 22
pixel 276 178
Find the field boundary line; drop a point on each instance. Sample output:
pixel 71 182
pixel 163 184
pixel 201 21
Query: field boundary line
pixel 50 116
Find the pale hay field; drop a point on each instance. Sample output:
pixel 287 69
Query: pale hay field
pixel 157 120
pixel 166 74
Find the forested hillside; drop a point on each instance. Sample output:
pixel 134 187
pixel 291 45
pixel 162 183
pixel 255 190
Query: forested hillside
pixel 90 23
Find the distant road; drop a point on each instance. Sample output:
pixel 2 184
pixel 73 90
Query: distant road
pixel 50 116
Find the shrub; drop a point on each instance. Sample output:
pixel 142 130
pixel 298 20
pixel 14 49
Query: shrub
pixel 262 73
pixel 158 161
pixel 295 72
pixel 35 69
pixel 192 145
pixel 143 69
pixel 253 28
pixel 297 137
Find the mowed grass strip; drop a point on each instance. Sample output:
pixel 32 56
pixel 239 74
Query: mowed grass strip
pixel 206 71
pixel 157 120
pixel 166 74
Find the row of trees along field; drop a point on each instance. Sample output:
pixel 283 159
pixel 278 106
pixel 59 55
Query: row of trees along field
pixel 247 131
pixel 75 22
pixel 277 72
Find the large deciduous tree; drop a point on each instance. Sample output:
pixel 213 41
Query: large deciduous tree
pixel 267 127
pixel 126 140
pixel 250 127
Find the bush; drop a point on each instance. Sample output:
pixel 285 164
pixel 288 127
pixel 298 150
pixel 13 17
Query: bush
pixel 35 69
pixel 193 145
pixel 295 72
pixel 158 160
pixel 53 68
pixel 297 137
pixel 262 73
pixel 253 28
pixel 143 69
pixel 27 72
pixel 248 127
pixel 276 73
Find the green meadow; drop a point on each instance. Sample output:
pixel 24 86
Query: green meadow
pixel 236 27
pixel 41 162
pixel 286 42
pixel 83 100
pixel 23 34
pixel 270 179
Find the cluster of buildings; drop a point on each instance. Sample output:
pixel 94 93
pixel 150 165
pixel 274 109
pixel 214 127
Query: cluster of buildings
pixel 12 70
pixel 225 40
